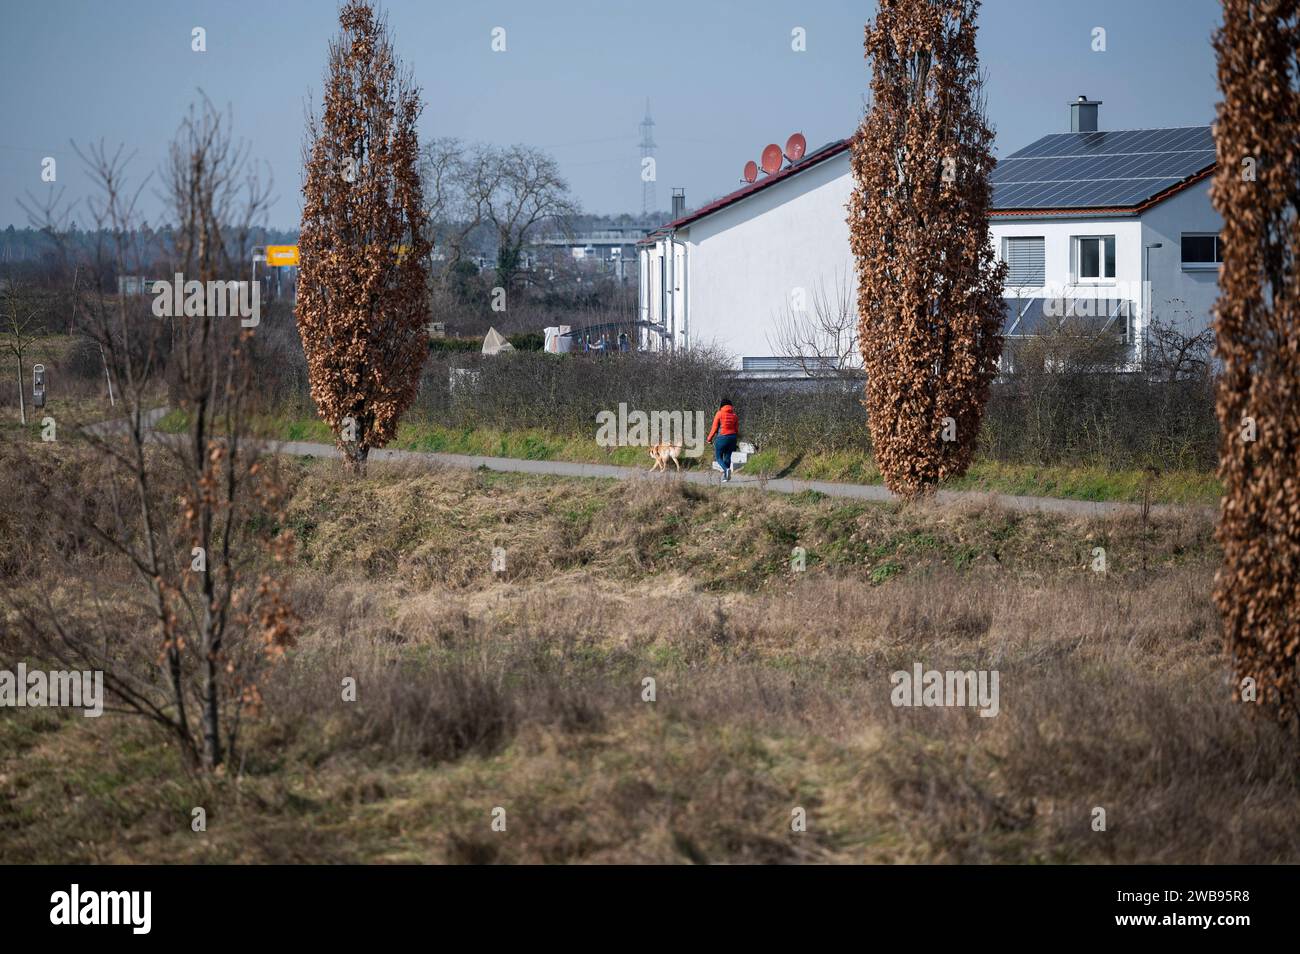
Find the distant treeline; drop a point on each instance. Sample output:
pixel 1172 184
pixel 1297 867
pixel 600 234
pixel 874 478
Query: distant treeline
pixel 32 245
pixel 35 245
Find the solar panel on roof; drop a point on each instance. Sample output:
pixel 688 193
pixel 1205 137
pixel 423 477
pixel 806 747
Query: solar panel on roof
pixel 1100 169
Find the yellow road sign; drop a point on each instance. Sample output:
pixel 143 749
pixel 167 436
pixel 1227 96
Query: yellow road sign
pixel 282 255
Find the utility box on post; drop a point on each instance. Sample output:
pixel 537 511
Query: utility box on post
pixel 38 385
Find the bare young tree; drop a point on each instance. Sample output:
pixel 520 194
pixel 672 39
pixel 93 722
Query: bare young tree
pixel 1172 353
pixel 817 329
pixel 1071 344
pixel 182 642
pixel 21 312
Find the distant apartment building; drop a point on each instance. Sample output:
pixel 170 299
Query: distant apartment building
pixel 608 249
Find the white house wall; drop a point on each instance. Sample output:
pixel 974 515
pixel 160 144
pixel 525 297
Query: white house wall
pixel 1058 235
pixel 745 260
pixel 664 286
pixel 1181 296
pixel 1184 296
pixel 652 292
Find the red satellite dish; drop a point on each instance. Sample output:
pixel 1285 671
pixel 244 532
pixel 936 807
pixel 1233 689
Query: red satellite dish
pixel 795 147
pixel 771 159
pixel 751 171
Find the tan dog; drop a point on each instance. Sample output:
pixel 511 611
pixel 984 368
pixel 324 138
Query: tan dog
pixel 663 453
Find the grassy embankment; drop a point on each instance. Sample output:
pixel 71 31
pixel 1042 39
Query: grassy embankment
pixel 525 691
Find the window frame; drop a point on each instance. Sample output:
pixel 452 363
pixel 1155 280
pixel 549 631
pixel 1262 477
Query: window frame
pixel 1076 256
pixel 1213 266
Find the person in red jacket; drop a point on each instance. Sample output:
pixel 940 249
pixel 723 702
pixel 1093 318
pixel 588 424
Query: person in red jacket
pixel 726 426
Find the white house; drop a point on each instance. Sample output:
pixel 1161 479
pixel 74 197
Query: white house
pixel 1114 224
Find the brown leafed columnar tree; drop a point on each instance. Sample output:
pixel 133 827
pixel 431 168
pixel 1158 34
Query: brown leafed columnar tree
pixel 1257 191
pixel 929 287
pixel 363 304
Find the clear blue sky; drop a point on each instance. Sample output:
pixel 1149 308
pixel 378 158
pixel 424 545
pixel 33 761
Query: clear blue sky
pixel 721 76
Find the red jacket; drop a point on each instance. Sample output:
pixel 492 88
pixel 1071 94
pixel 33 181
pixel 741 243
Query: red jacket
pixel 724 422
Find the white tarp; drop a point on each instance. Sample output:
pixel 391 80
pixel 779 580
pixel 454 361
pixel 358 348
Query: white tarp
pixel 557 339
pixel 495 343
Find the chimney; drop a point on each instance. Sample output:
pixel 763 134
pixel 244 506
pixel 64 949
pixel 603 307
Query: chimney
pixel 679 203
pixel 1083 114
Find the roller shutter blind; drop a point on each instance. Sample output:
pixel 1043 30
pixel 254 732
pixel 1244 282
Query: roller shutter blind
pixel 1025 261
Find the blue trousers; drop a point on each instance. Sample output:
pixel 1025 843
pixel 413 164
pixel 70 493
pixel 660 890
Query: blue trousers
pixel 723 447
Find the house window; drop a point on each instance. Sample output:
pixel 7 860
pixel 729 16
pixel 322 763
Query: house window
pixel 1094 257
pixel 1025 261
pixel 1202 250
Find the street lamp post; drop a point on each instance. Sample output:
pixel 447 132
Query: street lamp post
pixel 1139 348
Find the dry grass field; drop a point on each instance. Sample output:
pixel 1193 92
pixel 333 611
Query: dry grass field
pixel 523 690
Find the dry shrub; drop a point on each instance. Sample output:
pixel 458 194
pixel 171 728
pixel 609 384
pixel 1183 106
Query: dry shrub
pixel 564 393
pixel 439 714
pixel 431 685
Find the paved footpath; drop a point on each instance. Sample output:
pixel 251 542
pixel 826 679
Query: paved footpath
pixel 872 492
pixel 786 485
